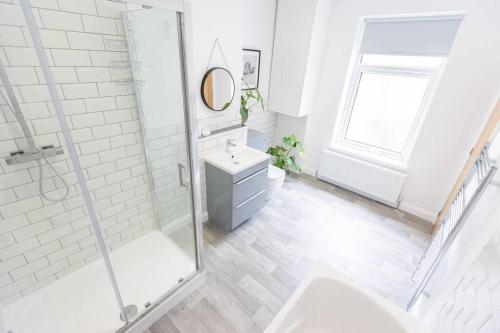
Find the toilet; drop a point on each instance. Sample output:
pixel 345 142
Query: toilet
pixel 275 176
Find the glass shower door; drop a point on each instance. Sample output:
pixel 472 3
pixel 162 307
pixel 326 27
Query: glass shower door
pixel 164 257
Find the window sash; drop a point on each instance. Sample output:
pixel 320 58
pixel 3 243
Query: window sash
pixel 360 68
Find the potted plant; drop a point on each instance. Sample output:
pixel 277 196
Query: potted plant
pixel 249 99
pixel 285 155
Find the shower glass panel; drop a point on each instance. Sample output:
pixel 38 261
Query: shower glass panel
pixel 119 73
pixel 53 277
pixel 165 254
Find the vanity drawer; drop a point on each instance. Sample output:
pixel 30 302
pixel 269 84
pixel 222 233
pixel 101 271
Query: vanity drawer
pixel 248 208
pixel 250 171
pixel 249 186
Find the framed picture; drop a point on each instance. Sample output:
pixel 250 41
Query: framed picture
pixel 251 68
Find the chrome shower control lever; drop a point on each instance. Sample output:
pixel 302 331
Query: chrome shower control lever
pixel 18 157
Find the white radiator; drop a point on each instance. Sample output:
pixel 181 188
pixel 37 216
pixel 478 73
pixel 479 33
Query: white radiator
pixel 371 180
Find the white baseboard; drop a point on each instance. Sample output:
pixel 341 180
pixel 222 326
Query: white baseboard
pixel 309 171
pixel 425 214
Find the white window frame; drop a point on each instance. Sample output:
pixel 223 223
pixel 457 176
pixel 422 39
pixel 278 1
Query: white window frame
pixel 371 153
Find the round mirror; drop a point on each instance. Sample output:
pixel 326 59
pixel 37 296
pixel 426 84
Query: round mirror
pixel 217 89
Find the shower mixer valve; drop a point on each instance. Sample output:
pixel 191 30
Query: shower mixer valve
pixel 20 156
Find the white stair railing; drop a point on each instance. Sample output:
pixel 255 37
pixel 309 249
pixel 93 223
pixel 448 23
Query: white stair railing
pixel 452 222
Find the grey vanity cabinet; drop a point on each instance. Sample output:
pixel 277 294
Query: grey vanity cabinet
pixel 232 199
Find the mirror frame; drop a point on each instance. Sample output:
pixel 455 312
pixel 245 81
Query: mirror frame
pixel 203 86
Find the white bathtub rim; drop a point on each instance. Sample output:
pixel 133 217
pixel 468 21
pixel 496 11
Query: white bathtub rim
pixel 323 270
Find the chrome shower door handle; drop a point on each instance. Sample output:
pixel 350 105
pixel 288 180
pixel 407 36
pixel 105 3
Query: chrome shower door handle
pixel 183 178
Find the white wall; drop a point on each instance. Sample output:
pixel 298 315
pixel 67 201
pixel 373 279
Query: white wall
pixel 257 29
pixel 237 24
pixel 210 20
pixel 463 100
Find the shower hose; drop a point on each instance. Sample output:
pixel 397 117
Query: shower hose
pixel 57 174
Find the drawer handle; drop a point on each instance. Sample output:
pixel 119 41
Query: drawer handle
pixel 250 199
pixel 251 176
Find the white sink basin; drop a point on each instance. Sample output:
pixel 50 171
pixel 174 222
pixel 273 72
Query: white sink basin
pixel 242 158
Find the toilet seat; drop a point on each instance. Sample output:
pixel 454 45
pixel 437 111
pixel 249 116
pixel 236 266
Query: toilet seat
pixel 275 172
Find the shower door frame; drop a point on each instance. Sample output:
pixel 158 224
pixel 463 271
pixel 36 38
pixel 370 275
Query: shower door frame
pixel 194 280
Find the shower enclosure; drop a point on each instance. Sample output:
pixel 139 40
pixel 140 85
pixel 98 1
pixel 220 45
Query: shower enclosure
pixel 99 194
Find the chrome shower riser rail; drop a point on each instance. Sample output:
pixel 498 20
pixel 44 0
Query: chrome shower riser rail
pixel 42 57
pixel 16 109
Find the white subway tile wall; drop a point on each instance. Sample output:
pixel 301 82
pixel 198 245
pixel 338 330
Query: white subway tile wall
pixel 265 122
pixel 41 241
pixel 474 305
pixel 259 120
pixel 167 149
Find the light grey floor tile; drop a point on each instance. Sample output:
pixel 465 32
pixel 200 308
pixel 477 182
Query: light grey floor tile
pixel 252 271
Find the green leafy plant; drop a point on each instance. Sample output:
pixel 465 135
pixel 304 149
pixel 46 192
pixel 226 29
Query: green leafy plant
pixel 285 155
pixel 249 99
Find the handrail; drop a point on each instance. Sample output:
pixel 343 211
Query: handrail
pixel 485 136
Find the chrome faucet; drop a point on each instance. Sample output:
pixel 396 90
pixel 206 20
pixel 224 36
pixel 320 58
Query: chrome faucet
pixel 230 143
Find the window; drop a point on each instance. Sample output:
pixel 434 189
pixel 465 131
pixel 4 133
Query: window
pixel 387 101
pixel 395 72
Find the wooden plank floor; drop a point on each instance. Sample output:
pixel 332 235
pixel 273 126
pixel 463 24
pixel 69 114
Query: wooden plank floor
pixel 252 271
